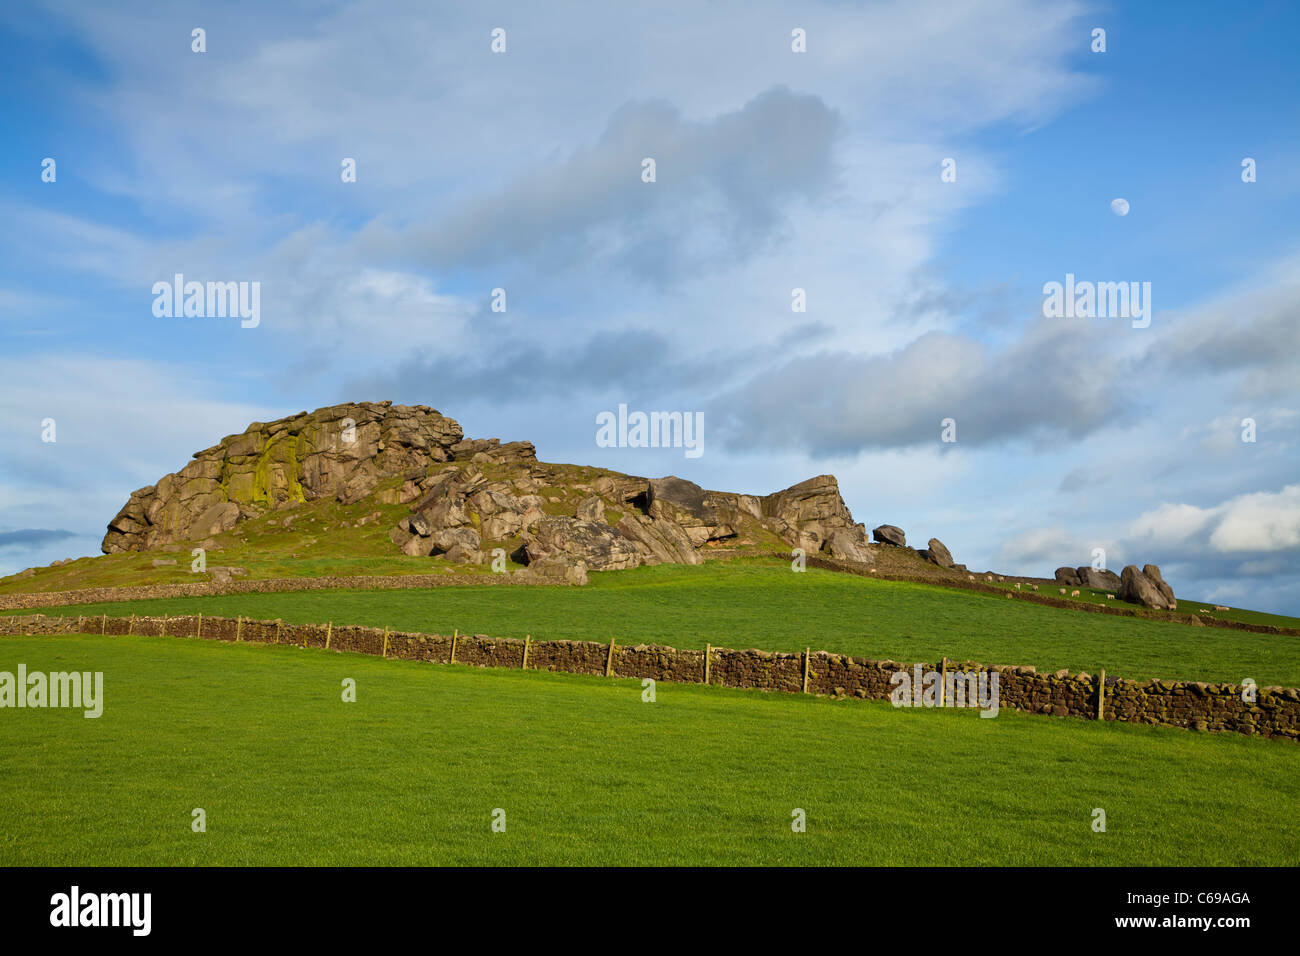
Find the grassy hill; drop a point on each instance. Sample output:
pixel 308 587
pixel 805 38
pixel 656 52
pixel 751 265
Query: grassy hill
pixel 760 603
pixel 589 774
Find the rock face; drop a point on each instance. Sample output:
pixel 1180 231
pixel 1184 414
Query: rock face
pixel 467 498
pixel 1147 589
pixel 890 534
pixel 1069 576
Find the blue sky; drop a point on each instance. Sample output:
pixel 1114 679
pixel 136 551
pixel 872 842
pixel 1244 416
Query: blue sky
pixel 776 170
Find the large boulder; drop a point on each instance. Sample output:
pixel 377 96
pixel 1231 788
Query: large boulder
pixel 460 545
pixel 689 506
pixel 1068 576
pixel 1103 580
pixel 804 515
pixel 890 534
pixel 554 569
pixel 936 552
pixel 677 499
pixel 599 546
pixel 848 545
pixel 1136 588
pixel 1152 572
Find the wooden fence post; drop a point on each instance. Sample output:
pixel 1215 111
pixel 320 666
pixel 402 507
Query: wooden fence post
pixel 329 632
pixel 130 628
pixel 79 625
pixel 164 627
pixel 385 651
pixel 103 622
pixel 200 634
pixel 239 627
pixel 454 634
pixel 277 630
pixel 806 652
pixel 708 656
pixel 943 682
pixel 609 661
pixel 528 639
pixel 1101 695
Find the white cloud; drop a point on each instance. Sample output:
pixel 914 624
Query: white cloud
pixel 1265 521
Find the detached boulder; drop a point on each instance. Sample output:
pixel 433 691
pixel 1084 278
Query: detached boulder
pixel 1136 588
pixel 1090 577
pixel 890 534
pixel 847 545
pixel 1153 572
pixel 937 553
pixel 1069 576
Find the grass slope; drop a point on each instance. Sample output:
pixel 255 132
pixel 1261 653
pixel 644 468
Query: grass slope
pixel 754 603
pixel 589 774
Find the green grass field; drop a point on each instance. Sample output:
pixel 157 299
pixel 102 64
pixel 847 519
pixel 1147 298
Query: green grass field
pixel 762 604
pixel 587 773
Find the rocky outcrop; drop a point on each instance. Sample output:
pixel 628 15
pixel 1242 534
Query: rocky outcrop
pixel 469 497
pixel 343 452
pixel 1146 587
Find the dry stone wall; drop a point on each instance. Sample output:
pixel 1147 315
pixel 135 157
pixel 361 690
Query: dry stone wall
pixel 1195 705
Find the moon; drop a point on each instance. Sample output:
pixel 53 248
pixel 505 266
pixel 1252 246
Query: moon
pixel 1119 207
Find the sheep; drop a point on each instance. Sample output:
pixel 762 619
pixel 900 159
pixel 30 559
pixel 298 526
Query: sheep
pixel 1110 597
pixel 1062 590
pixel 1074 594
pixel 1035 587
